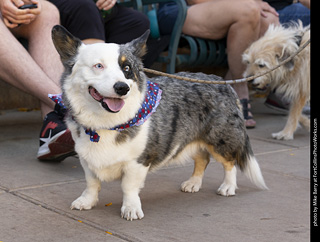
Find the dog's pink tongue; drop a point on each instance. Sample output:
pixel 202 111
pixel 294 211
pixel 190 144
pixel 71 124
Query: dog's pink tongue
pixel 114 104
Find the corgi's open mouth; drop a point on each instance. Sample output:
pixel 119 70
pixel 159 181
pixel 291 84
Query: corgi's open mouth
pixel 113 105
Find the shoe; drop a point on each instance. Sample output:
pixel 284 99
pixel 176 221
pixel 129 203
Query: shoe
pixel 277 102
pixel 56 142
pixel 249 121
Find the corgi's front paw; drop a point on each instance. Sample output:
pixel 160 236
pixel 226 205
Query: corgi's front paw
pixel 131 208
pixel 84 203
pixel 131 212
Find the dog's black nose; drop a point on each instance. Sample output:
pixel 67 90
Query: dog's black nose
pixel 121 88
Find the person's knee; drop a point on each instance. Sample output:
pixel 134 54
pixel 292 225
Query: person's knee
pixel 48 17
pixel 49 12
pixel 250 12
pixel 266 21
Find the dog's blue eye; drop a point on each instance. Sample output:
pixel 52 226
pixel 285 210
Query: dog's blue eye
pixel 98 66
pixel 126 68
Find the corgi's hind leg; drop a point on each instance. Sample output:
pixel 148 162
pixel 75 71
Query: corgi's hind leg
pixel 201 160
pixel 229 184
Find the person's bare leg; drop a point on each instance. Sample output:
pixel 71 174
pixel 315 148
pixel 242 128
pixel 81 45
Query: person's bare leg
pixel 19 69
pixel 238 20
pixel 266 21
pixel 38 73
pixel 43 52
pixel 92 41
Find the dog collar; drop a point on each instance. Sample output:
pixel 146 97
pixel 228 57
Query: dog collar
pixel 57 99
pixel 148 107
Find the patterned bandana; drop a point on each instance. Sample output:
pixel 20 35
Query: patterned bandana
pixel 149 106
pixel 57 98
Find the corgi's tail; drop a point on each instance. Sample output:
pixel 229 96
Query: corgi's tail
pixel 250 167
pixel 253 172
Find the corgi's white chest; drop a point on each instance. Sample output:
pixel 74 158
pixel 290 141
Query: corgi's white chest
pixel 107 157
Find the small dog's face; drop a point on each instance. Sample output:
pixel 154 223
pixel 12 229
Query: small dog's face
pixel 265 54
pixel 258 61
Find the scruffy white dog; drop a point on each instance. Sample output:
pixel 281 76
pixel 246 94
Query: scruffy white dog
pixel 292 79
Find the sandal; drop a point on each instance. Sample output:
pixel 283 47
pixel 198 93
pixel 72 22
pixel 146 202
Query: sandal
pixel 249 121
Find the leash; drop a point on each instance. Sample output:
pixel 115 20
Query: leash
pixel 159 73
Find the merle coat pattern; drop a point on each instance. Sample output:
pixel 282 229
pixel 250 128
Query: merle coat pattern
pixel 192 121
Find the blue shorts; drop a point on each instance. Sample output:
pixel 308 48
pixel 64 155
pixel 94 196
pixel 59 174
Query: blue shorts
pixel 167 15
pixel 294 12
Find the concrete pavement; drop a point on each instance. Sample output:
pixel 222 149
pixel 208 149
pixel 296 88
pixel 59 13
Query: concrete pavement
pixel 35 197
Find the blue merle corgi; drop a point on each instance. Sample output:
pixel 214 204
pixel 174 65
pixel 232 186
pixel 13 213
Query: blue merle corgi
pixel 125 124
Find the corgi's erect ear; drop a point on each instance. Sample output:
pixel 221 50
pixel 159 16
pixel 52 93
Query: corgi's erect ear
pixel 66 44
pixel 139 46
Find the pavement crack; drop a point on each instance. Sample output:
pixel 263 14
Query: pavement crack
pixel 282 150
pixel 274 141
pixel 45 185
